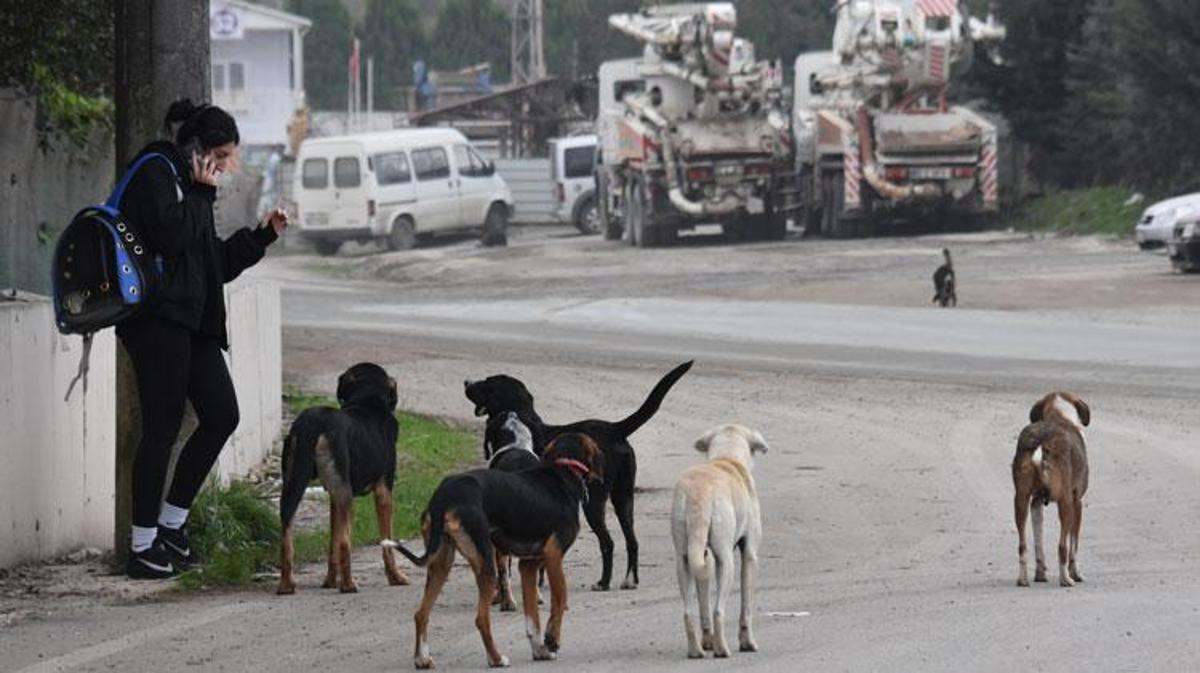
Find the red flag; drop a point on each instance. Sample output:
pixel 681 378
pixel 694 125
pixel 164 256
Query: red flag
pixel 354 63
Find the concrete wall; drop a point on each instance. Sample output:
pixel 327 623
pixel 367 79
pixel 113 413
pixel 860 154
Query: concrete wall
pixel 40 190
pixel 58 477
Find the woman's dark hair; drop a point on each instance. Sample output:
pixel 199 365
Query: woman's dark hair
pixel 209 124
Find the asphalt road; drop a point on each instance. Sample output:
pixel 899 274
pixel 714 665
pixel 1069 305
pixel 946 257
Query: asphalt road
pixel 886 494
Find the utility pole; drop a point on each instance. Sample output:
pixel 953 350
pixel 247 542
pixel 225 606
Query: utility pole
pixel 528 55
pixel 162 54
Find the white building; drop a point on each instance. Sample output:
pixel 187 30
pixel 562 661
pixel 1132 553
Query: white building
pixel 257 68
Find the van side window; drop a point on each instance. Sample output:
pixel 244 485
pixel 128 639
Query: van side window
pixel 346 172
pixel 315 174
pixel 469 163
pixel 627 87
pixel 431 163
pixel 578 161
pixel 392 168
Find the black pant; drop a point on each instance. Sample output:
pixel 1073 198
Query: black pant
pixel 174 364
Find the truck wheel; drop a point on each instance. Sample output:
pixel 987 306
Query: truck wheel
pixel 327 247
pixel 833 186
pixel 403 235
pixel 495 226
pixel 612 228
pixel 632 212
pixel 587 216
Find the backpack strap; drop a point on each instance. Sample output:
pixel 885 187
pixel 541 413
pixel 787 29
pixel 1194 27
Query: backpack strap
pixel 114 200
pixel 84 365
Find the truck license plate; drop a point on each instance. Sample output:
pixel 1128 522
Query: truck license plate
pixel 316 219
pixel 728 171
pixel 929 173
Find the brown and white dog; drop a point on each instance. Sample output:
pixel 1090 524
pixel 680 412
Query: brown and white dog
pixel 715 510
pixel 1051 465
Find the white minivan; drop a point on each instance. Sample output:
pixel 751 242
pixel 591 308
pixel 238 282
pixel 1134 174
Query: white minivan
pixel 572 164
pixel 395 186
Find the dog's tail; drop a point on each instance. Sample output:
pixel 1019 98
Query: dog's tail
pixel 699 521
pixel 638 418
pixel 1033 440
pixel 298 467
pixel 434 526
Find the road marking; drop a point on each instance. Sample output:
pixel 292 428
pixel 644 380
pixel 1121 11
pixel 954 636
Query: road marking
pixel 789 614
pixel 87 655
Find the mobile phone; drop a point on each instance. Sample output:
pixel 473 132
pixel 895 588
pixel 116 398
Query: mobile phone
pixel 191 149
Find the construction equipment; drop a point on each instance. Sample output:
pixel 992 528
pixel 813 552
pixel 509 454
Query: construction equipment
pixel 692 132
pixel 875 138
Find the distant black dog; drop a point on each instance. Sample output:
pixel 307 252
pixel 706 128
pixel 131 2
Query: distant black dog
pixel 352 450
pixel 507 446
pixel 531 514
pixel 497 394
pixel 943 283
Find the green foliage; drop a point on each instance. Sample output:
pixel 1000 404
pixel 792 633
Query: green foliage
pixel 393 37
pixel 784 29
pixel 71 38
pixel 236 531
pixel 470 32
pixel 326 52
pixel 67 113
pixel 1095 210
pixel 578 39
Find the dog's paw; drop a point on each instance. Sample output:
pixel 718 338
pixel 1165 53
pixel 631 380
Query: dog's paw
pixel 695 654
pixel 1075 574
pixel 423 663
pixel 629 584
pixel 1039 577
pixel 1022 581
pixel 286 589
pixel 502 662
pixel 399 580
pixel 508 606
pixel 706 641
pixel 600 586
pixel 1065 581
pixel 543 653
pixel 350 588
pixel 748 646
pixel 329 583
pixel 551 643
pixel 720 652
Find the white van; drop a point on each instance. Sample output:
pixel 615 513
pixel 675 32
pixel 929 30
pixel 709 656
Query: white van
pixel 395 186
pixel 572 164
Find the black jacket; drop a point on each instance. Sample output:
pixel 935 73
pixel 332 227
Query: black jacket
pixel 175 218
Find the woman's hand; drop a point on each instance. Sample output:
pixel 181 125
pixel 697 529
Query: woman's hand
pixel 278 219
pixel 205 170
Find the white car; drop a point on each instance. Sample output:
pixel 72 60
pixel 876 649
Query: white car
pixel 572 163
pixel 395 186
pixel 1157 224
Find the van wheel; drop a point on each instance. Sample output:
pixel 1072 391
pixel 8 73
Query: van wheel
pixel 495 226
pixel 403 236
pixel 327 247
pixel 587 219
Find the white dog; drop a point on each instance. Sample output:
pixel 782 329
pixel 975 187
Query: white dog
pixel 716 507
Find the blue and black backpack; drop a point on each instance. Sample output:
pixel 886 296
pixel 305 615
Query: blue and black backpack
pixel 102 271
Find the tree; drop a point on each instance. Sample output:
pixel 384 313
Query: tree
pixel 393 37
pixel 326 52
pixel 470 32
pixel 783 29
pixel 578 38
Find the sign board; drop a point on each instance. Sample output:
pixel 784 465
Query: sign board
pixel 225 22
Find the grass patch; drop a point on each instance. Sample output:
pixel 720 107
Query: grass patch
pixel 236 531
pixel 1096 210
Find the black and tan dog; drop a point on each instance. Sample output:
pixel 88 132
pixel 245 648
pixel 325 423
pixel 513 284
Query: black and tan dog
pixel 500 393
pixel 531 514
pixel 1051 465
pixel 945 293
pixel 507 446
pixel 352 451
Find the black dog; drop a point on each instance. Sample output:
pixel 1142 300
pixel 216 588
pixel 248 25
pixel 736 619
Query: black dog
pixel 497 394
pixel 531 514
pixel 943 283
pixel 352 450
pixel 508 447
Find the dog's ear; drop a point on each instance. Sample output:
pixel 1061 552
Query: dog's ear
pixel 1085 414
pixel 704 440
pixel 757 443
pixel 393 393
pixel 344 381
pixel 1035 412
pixel 595 458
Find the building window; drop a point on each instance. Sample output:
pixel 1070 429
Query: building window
pixel 218 77
pixel 237 77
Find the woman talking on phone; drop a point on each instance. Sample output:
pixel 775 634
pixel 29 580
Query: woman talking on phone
pixel 175 341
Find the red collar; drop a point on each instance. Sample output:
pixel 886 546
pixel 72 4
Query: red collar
pixel 577 468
